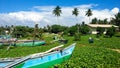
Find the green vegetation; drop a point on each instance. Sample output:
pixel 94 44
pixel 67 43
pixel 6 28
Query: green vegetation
pixel 95 55
pixel 103 53
pixel 100 31
pixel 98 54
pixel 92 57
pixel 110 32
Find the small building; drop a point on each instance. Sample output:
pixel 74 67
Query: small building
pixel 94 26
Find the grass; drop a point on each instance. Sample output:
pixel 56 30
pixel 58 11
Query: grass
pixel 92 57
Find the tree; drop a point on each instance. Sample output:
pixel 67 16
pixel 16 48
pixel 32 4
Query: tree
pixel 72 30
pixel 100 31
pixel 84 29
pixel 110 31
pixel 89 13
pixel 76 13
pixel 57 28
pixel 117 20
pixel 57 11
pixel 36 31
pixel 19 31
pixel 94 21
pixel 105 21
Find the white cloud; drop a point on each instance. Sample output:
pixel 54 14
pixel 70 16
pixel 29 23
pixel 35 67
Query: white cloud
pixel 115 10
pixel 86 6
pixel 43 16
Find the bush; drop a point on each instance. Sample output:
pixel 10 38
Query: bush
pixel 84 29
pixel 110 31
pixel 100 31
pixel 77 36
pixel 72 30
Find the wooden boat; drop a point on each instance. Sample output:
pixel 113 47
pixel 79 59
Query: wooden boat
pixel 30 43
pixel 22 42
pixel 7 39
pixel 41 60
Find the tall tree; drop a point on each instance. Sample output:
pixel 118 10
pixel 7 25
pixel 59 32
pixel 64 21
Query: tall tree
pixel 76 13
pixel 36 31
pixel 117 20
pixel 105 21
pixel 89 13
pixel 57 11
pixel 94 21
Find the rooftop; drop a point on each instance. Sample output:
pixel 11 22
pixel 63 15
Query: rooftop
pixel 101 25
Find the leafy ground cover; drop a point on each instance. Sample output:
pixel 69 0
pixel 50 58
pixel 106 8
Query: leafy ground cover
pixel 95 55
pixel 92 57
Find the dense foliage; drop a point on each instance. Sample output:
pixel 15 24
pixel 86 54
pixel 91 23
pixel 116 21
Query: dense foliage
pixel 98 21
pixel 110 31
pixel 84 29
pixel 97 54
pixel 100 31
pixel 57 28
pixel 92 57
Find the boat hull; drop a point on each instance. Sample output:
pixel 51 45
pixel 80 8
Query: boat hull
pixel 48 60
pixel 43 60
pixel 47 64
pixel 31 43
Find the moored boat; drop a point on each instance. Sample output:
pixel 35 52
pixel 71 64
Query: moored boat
pixel 22 42
pixel 42 60
pixel 30 43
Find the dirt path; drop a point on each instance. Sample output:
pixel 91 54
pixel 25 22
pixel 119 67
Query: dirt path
pixel 117 50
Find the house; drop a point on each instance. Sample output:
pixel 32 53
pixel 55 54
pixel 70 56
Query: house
pixel 94 26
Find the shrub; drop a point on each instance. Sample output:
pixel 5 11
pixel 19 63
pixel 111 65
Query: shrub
pixel 84 29
pixel 77 37
pixel 110 31
pixel 100 31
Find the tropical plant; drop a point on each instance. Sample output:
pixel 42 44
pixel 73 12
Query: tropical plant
pixel 117 20
pixel 100 31
pixel 57 11
pixel 89 13
pixel 110 31
pixel 76 13
pixel 72 30
pixel 94 21
pixel 36 31
pixel 84 29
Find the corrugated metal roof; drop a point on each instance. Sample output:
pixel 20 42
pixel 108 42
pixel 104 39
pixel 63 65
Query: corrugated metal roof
pixel 101 25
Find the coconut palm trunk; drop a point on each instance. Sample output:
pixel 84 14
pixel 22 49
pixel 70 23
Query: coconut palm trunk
pixel 76 13
pixel 57 11
pixel 89 13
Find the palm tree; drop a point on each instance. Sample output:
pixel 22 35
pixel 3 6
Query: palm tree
pixel 76 13
pixel 89 13
pixel 57 11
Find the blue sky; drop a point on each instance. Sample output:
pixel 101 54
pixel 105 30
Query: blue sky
pixel 29 12
pixel 26 5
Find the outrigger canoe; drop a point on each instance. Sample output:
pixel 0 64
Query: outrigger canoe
pixel 22 42
pixel 30 43
pixel 41 60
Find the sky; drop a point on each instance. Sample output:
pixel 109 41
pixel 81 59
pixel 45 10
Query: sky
pixel 29 12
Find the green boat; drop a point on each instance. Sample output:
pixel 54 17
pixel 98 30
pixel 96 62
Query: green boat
pixel 22 43
pixel 30 43
pixel 41 60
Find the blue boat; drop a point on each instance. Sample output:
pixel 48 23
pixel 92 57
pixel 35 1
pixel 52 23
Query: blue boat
pixel 46 59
